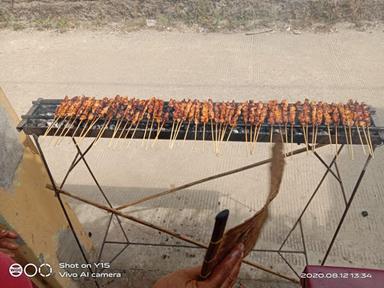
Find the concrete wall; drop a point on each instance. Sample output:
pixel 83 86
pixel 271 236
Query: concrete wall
pixel 27 207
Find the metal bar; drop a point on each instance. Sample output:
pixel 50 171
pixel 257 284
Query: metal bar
pixel 289 265
pixel 195 247
pixel 104 239
pixel 354 192
pixel 341 184
pixel 75 162
pixel 326 165
pixel 97 184
pixel 210 178
pixel 36 138
pixel 303 241
pixel 164 230
pixel 311 198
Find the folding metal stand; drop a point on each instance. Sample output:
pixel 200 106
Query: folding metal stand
pixel 116 211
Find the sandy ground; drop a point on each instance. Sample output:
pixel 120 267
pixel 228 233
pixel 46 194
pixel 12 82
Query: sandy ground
pixel 329 67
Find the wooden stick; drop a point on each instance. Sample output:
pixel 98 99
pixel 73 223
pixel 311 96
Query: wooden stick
pixel 158 132
pixel 305 138
pixel 347 138
pixel 61 136
pixel 149 135
pixel 271 136
pixel 256 137
pixel 84 129
pixel 55 120
pixel 361 139
pixel 230 133
pixel 74 133
pixel 314 144
pixel 351 142
pixel 217 139
pixel 367 141
pixel 177 133
pixel 223 134
pixel 370 142
pixel 213 135
pixel 337 139
pixel 90 127
pixel 292 126
pixel 171 138
pixel 102 130
pixel 286 134
pixel 195 132
pixel 329 135
pixel 120 135
pixel 145 132
pixel 250 139
pixel 186 132
pixel 118 123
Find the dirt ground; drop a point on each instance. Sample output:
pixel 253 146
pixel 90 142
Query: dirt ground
pixel 332 67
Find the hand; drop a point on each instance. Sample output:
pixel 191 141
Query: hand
pixel 224 275
pixel 7 244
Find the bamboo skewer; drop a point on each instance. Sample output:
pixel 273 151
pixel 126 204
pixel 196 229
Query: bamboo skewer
pixel 256 137
pixel 292 139
pixel 336 139
pixel 370 143
pixel 158 133
pixel 89 128
pixel 367 141
pixel 65 132
pixel 270 139
pixel 186 132
pixel 212 135
pixel 115 132
pixel 102 130
pixel 314 144
pixel 171 137
pixel 305 138
pixel 230 133
pixel 149 134
pixel 329 135
pixel 361 140
pixel 347 139
pixel 55 120
pixel 180 123
pixel 84 129
pixel 145 132
pixel 77 128
pixel 63 123
pixel 351 142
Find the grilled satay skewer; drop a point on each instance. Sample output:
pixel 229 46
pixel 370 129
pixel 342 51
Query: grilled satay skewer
pixel 336 121
pixel 190 117
pixel 292 120
pixel 59 112
pixel 94 115
pixel 319 121
pixel 344 121
pixel 204 118
pixel 245 114
pixel 211 115
pixel 302 120
pixel 285 108
pixel 72 113
pixel 196 117
pixel 358 117
pixel 328 120
pixel 271 117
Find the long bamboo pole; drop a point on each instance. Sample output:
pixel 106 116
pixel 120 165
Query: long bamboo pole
pixel 210 178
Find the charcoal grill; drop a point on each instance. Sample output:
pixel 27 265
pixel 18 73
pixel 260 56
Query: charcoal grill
pixel 41 115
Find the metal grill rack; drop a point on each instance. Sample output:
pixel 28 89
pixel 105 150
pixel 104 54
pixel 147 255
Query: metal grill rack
pixel 41 115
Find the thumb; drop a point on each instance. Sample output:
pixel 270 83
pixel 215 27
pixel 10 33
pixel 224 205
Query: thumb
pixel 224 269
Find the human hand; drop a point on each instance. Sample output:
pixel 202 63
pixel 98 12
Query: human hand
pixel 224 275
pixel 7 244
